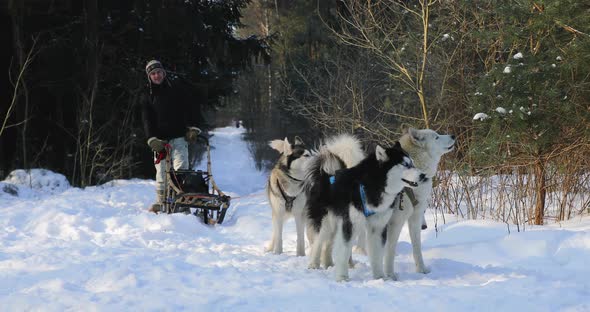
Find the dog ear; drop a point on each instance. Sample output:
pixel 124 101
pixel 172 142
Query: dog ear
pixel 282 146
pixel 415 137
pixel 277 145
pixel 405 127
pixel 287 147
pixel 381 154
pixel 298 141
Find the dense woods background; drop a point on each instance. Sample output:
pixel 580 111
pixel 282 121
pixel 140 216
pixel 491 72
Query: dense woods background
pixel 75 73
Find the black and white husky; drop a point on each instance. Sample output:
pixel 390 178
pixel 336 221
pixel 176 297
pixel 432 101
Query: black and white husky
pixel 338 152
pixel 285 192
pixel 426 147
pixel 357 198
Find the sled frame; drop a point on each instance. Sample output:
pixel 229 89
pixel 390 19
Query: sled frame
pixel 211 207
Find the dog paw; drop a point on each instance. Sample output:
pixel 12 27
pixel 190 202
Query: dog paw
pixel 393 276
pixel 273 249
pixel 313 266
pixel 379 276
pixel 327 262
pixel 342 278
pixel 351 263
pixel 359 250
pixel 423 270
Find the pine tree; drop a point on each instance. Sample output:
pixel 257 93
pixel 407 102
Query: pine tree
pixel 534 91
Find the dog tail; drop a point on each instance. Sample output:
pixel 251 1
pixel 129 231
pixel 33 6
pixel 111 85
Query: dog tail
pixel 339 152
pixel 345 147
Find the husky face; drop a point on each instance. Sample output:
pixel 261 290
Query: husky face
pixel 402 171
pixel 429 140
pixel 293 157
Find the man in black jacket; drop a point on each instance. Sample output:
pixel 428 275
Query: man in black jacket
pixel 170 115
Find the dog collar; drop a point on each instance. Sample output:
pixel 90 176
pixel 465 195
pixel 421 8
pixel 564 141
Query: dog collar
pixel 285 170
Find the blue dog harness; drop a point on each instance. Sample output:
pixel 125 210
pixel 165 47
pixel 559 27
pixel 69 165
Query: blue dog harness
pixel 366 210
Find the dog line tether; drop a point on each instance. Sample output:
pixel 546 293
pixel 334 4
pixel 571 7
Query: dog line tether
pixel 366 210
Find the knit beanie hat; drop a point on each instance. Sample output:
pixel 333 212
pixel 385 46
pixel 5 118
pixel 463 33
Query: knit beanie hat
pixel 153 65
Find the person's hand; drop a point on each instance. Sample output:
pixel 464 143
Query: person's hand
pixel 192 133
pixel 156 144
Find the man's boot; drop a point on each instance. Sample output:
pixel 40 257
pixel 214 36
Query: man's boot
pixel 158 206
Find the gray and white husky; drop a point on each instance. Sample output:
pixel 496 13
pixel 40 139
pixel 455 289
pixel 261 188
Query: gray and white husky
pixel 425 147
pixel 285 192
pixel 359 197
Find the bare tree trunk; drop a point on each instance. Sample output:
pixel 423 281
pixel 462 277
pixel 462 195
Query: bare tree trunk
pixel 21 59
pixel 425 28
pixel 269 67
pixel 541 191
pixel 86 139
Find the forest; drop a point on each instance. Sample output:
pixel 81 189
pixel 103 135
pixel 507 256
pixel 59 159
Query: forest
pixel 511 79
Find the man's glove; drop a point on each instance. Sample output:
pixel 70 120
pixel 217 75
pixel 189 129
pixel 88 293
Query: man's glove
pixel 156 144
pixel 192 133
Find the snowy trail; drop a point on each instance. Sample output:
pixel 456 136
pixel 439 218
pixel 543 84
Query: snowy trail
pixel 98 249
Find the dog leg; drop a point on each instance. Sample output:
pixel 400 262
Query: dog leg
pixel 300 225
pixel 277 232
pixel 327 260
pixel 310 232
pixel 424 224
pixel 361 245
pixel 375 247
pixel 394 229
pixel 316 247
pixel 342 250
pixel 415 227
pixel 271 245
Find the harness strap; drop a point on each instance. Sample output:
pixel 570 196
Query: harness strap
pixel 366 211
pixel 411 195
pixel 288 199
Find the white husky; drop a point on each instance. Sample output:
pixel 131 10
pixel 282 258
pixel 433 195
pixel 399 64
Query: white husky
pixel 426 147
pixel 285 192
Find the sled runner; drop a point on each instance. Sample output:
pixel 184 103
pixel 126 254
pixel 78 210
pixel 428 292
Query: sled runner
pixel 186 189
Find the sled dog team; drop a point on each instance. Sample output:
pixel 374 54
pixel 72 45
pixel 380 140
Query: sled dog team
pixel 339 195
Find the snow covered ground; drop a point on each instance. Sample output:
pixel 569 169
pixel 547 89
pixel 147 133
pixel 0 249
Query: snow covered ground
pixel 98 249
